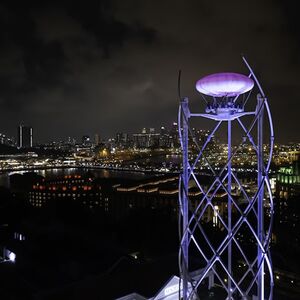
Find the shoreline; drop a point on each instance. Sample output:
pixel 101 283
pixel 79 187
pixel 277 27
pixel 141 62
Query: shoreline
pixel 2 172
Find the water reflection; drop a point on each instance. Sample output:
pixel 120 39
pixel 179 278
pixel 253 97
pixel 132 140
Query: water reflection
pixel 99 173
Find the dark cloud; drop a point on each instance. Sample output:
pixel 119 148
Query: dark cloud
pixel 71 68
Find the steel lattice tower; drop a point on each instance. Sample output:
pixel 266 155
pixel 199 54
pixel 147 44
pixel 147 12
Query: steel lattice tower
pixel 241 272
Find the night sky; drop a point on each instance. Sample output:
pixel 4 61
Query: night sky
pixel 70 69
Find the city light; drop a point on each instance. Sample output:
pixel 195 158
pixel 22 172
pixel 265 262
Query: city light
pixel 12 257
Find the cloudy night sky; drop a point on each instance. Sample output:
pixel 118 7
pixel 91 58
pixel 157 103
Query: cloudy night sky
pixel 70 68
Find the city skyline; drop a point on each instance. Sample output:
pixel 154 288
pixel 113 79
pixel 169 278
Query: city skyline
pixel 96 137
pixel 149 149
pixel 68 70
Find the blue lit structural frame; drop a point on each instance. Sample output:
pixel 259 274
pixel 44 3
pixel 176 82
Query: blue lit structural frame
pixel 253 282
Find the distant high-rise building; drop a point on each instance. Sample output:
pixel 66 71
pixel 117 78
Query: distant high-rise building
pixel 97 139
pixel 71 140
pixel 163 130
pixel 164 137
pixel 25 136
pixel 146 140
pixel 86 140
pixel 174 140
pixel 122 139
pixel 5 140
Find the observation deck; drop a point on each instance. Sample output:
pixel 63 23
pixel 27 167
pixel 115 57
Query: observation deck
pixel 221 92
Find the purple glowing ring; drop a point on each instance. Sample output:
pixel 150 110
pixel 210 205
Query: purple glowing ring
pixel 224 85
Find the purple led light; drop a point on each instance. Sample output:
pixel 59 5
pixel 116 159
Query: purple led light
pixel 224 84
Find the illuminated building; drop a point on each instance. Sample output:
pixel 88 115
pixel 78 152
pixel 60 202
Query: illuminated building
pixel 146 140
pixel 25 136
pixel 164 138
pixel 157 193
pixel 75 187
pixel 86 140
pixel 5 140
pixel 174 140
pixel 288 181
pixel 122 140
pixel 116 199
pixel 97 139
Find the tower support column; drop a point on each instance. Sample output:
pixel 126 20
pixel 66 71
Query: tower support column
pixel 260 198
pixel 229 207
pixel 185 207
